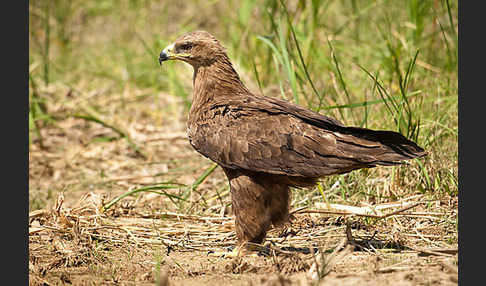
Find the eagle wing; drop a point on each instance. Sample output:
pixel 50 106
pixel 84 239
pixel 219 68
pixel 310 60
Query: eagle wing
pixel 265 134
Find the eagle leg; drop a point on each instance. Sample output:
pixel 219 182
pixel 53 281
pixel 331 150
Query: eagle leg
pixel 251 203
pixel 238 251
pixel 258 200
pixel 279 203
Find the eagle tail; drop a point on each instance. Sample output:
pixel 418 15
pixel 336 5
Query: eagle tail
pixel 395 148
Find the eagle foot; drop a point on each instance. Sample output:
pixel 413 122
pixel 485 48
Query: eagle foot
pixel 244 250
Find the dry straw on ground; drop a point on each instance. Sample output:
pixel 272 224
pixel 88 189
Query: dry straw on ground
pixel 74 232
pixel 74 237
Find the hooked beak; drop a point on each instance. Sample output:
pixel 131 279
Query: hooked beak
pixel 166 54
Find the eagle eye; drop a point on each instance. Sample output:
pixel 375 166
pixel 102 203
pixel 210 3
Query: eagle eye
pixel 185 46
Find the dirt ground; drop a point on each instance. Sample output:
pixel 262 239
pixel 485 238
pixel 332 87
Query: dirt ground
pixel 160 239
pixel 119 253
pixel 80 246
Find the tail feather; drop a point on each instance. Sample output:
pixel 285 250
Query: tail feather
pixel 397 148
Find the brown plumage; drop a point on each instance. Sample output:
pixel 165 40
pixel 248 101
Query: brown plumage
pixel 266 145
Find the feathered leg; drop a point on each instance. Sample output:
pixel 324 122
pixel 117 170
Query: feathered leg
pixel 252 206
pixel 279 200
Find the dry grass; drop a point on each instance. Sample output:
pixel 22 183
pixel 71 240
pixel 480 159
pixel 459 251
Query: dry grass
pixel 117 246
pixel 150 238
pixel 105 120
pixel 146 236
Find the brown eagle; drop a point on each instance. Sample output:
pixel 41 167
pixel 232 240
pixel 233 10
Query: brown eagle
pixel 266 145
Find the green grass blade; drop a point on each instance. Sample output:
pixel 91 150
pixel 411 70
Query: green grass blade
pixel 93 118
pixel 158 189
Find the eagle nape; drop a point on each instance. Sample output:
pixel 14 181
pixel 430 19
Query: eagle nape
pixel 266 145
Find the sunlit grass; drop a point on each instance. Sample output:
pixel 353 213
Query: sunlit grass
pixel 379 64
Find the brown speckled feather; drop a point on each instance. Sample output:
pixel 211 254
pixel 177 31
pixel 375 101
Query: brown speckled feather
pixel 277 137
pixel 266 145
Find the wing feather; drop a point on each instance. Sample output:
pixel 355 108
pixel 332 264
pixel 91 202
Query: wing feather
pixel 278 137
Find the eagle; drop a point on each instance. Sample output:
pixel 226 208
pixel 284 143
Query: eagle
pixel 266 145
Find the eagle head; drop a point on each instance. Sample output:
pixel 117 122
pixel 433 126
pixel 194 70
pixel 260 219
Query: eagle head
pixel 197 48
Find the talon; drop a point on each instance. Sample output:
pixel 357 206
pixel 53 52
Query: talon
pixel 238 251
pixel 225 254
